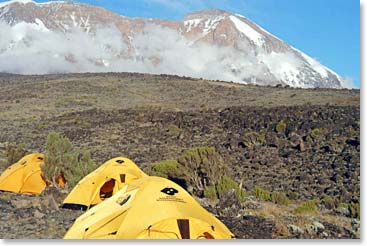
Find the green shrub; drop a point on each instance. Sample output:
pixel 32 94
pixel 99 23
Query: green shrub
pixel 262 194
pixel 203 167
pixel 79 167
pixel 351 132
pixel 279 198
pixel 317 133
pixel 355 210
pixel 280 127
pixel 343 205
pixel 168 168
pixel 173 130
pixel 200 170
pixel 225 184
pixel 14 153
pixel 62 159
pixel 253 138
pixel 307 207
pixel 210 192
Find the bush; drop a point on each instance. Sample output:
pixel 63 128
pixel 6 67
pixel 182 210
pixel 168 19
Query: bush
pixel 351 132
pixel 343 205
pixel 210 192
pixel 317 133
pixel 307 207
pixel 262 194
pixel 355 210
pixel 203 167
pixel 226 183
pixel 166 169
pixel 280 127
pixel 253 138
pixel 81 165
pixel 61 160
pixel 173 130
pixel 279 198
pixel 14 153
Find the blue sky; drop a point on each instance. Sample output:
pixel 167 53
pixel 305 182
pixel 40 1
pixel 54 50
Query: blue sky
pixel 328 30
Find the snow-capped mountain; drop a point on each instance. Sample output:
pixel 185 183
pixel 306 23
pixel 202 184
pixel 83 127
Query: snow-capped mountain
pixel 63 36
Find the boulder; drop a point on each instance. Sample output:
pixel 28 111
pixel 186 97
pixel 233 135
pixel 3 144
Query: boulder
pixel 295 229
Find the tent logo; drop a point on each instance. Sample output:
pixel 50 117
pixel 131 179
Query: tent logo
pixel 169 191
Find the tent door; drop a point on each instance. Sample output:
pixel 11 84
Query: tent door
pixel 106 190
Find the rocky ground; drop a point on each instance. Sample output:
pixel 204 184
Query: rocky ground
pixel 302 143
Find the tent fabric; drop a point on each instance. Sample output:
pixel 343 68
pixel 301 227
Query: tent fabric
pixel 102 183
pixel 24 176
pixel 173 228
pixel 148 208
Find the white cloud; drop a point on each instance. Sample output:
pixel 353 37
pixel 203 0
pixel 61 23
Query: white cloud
pixel 348 82
pixel 159 50
pixel 33 51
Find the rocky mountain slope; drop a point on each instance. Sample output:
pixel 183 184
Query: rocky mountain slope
pixel 302 143
pixel 212 44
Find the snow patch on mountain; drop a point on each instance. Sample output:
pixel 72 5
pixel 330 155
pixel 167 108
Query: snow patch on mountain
pixel 41 25
pixel 248 31
pixel 211 24
pixel 285 66
pixel 69 37
pixel 190 24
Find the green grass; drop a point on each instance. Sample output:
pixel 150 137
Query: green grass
pixel 262 194
pixel 307 207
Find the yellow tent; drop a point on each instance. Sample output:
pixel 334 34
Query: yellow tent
pixel 102 183
pixel 25 176
pixel 149 208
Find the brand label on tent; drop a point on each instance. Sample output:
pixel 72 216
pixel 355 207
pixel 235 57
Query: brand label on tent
pixel 170 192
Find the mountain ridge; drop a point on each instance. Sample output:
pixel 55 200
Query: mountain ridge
pixel 243 51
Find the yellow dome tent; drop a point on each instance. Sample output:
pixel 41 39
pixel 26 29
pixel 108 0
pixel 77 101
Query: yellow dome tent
pixel 149 208
pixel 25 176
pixel 102 183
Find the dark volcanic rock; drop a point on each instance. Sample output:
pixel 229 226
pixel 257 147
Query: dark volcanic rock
pixel 250 227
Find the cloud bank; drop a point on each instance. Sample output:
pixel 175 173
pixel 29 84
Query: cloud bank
pixel 25 49
pixel 30 49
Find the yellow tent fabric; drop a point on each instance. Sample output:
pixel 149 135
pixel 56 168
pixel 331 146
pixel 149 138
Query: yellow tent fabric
pixel 148 208
pixel 102 183
pixel 25 176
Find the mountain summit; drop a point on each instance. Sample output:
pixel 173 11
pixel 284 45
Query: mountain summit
pixel 211 43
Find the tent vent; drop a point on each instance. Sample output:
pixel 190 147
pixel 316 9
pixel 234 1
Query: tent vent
pixel 183 226
pixel 113 233
pixel 120 161
pixel 122 178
